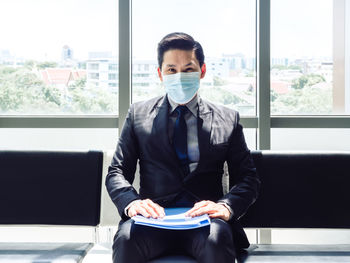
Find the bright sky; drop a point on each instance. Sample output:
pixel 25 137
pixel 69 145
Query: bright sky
pixel 38 29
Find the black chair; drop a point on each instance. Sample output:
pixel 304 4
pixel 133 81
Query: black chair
pixel 49 188
pixel 301 190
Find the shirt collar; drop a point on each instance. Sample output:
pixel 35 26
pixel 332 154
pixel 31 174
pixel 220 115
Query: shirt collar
pixel 192 105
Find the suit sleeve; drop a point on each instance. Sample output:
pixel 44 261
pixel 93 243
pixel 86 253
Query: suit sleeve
pixel 121 172
pixel 244 181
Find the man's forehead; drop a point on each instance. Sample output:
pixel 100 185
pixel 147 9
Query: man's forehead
pixel 182 52
pixel 176 57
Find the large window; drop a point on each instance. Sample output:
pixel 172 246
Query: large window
pixel 61 57
pixel 69 64
pixel 226 30
pixel 309 75
pixel 54 57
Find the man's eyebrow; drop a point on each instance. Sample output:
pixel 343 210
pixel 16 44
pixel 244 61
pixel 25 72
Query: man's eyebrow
pixel 170 65
pixel 189 64
pixel 173 65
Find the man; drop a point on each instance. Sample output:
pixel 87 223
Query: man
pixel 181 143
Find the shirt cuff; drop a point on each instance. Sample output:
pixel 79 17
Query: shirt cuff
pixel 229 209
pixel 128 206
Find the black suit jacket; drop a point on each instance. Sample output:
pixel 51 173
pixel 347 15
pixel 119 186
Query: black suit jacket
pixel 144 138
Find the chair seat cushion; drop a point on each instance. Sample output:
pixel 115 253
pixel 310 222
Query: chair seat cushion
pixel 43 252
pixel 297 253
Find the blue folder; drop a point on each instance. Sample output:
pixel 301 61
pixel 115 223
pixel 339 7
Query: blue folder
pixel 174 219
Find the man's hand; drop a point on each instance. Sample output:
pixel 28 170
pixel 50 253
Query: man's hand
pixel 213 209
pixel 147 208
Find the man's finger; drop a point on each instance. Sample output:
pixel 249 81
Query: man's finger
pixel 132 212
pixel 204 210
pixel 201 203
pixel 220 214
pixel 141 210
pixel 216 215
pixel 149 209
pixel 196 207
pixel 156 208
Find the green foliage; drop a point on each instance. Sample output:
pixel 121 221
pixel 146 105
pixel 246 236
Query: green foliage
pixel 29 64
pixel 279 67
pixel 144 93
pixel 23 92
pixel 221 96
pixel 90 99
pixel 295 67
pixel 46 64
pixel 309 100
pixel 250 74
pixel 219 81
pixel 307 80
pixel 273 96
pixel 283 67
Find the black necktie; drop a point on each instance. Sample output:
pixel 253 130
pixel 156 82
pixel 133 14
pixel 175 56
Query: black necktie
pixel 180 138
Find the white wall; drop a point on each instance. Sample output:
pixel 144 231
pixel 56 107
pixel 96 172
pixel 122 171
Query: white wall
pixel 58 139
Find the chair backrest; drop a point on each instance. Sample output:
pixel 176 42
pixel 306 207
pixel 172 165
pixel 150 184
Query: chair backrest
pixel 301 190
pixel 50 187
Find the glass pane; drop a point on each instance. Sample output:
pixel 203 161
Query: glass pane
pixel 308 47
pixel 226 31
pixel 310 139
pixel 56 57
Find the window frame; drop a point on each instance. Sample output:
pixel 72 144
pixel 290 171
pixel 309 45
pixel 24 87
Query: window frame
pixel 263 122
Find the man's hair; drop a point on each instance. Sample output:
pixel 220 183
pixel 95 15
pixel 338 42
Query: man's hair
pixel 182 41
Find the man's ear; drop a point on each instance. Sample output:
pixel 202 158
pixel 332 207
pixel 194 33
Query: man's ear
pixel 203 70
pixel 160 74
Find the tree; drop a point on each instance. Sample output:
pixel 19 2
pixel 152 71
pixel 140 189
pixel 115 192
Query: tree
pixel 46 64
pixel 84 98
pixel 21 91
pixel 307 80
pixel 221 96
pixel 219 81
pixel 309 100
pixel 283 67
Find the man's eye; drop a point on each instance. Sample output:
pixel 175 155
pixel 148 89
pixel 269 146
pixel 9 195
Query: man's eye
pixel 171 70
pixel 189 70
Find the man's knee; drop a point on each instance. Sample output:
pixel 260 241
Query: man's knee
pixel 125 247
pixel 220 234
pixel 124 233
pixel 215 243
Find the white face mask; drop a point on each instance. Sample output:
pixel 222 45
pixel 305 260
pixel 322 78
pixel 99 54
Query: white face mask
pixel 181 87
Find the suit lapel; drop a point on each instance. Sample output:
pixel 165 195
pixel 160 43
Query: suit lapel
pixel 161 124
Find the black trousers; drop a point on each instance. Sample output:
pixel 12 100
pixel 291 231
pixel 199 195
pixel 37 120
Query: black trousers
pixel 138 244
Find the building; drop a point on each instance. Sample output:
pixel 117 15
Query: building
pixel 61 78
pixel 6 58
pixel 102 70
